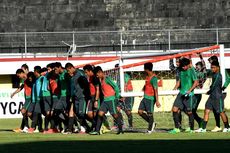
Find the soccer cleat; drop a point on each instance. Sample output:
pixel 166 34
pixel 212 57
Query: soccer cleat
pixel 82 129
pixel 174 131
pixel 31 130
pixel 114 128
pixel 226 130
pixel 18 130
pixel 67 132
pixel 216 129
pixel 25 129
pixel 104 129
pixel 200 130
pixel 188 130
pixel 149 132
pixel 120 132
pixel 94 133
pixel 36 131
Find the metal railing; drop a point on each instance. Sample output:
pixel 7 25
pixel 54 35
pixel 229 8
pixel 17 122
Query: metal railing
pixel 98 41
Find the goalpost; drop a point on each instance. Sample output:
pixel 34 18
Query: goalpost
pixel 134 66
pixel 213 50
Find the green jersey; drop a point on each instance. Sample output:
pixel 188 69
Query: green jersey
pixel 187 79
pixel 64 83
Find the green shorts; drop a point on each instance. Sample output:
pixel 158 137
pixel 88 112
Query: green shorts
pixel 110 105
pixel 26 105
pixel 184 103
pixel 147 105
pixel 216 104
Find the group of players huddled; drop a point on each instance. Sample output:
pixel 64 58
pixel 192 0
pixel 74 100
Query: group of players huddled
pixel 72 98
pixel 76 101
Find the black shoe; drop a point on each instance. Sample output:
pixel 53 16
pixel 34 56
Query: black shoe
pixel 120 132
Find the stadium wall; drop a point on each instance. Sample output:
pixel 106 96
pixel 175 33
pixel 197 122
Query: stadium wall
pixel 88 15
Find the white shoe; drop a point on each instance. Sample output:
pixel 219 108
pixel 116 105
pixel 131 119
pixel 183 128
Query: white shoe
pixel 200 130
pixel 149 132
pixel 226 130
pixel 82 130
pixel 216 129
pixel 36 131
pixel 25 129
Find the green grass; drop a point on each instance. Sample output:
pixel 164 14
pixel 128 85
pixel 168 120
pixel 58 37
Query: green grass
pixel 128 142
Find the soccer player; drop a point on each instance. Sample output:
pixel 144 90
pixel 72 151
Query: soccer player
pixel 216 99
pixel 146 107
pixel 201 76
pixel 185 99
pixel 61 108
pixel 126 103
pixel 217 128
pixel 111 94
pixel 80 93
pixel 94 103
pixel 46 101
pixel 36 102
pixel 27 86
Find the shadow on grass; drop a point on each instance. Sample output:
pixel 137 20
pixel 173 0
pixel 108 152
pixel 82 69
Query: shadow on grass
pixel 111 146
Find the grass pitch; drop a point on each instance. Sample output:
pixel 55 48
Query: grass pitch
pixel 163 142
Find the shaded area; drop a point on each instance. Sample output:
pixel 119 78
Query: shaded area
pixel 132 146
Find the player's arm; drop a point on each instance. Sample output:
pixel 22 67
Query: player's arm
pixel 155 88
pixel 227 81
pixel 177 85
pixel 114 85
pixel 97 96
pixel 171 65
pixel 17 91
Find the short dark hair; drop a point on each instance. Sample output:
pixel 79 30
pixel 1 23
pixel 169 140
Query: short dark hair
pixel 88 67
pixel 57 64
pixel 25 66
pixel 19 71
pixel 199 63
pixel 215 63
pixel 184 62
pixel 37 69
pixel 51 65
pixel 31 74
pixel 213 58
pixel 116 65
pixel 44 69
pixel 97 69
pixel 68 65
pixel 148 66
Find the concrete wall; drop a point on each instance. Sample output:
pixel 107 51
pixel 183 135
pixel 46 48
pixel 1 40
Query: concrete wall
pixel 62 15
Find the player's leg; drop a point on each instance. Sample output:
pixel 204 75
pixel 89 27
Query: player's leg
pixel 81 114
pixel 149 108
pixel 208 108
pixel 194 110
pixel 188 103
pixel 101 113
pixel 176 109
pixel 112 107
pixel 128 110
pixel 220 109
pixel 141 110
